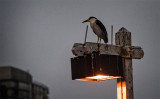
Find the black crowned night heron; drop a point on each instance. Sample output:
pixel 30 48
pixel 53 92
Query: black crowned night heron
pixel 98 28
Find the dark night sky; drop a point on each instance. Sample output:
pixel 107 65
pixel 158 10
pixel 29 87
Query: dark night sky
pixel 37 35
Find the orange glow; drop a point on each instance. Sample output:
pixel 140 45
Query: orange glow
pixel 99 78
pixel 121 90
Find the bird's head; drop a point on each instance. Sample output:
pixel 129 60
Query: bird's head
pixel 90 19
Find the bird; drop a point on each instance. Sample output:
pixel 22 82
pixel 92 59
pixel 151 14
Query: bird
pixel 98 28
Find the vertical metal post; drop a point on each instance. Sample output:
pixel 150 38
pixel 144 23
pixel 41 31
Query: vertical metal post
pixel 125 84
pixel 112 35
pixel 86 34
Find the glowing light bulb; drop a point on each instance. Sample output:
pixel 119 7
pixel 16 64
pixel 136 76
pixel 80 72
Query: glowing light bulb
pixel 98 78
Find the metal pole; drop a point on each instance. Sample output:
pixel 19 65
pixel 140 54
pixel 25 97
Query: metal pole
pixel 86 34
pixel 112 35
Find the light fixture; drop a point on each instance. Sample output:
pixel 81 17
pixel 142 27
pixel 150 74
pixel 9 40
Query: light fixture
pixel 96 67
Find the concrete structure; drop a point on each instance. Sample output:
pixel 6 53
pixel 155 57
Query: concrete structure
pixel 17 84
pixel 39 91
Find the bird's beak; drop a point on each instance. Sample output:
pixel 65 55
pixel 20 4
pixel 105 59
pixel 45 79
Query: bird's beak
pixel 85 21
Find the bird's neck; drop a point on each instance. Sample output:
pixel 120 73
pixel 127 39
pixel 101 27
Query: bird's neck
pixel 92 21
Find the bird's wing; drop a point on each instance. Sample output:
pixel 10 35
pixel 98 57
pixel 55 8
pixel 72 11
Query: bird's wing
pixel 104 33
pixel 102 27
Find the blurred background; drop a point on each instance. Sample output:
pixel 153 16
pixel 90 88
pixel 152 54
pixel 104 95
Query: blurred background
pixel 37 36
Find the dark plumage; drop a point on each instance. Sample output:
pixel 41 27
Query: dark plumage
pixel 103 35
pixel 98 28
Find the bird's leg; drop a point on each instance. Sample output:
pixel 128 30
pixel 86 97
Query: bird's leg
pixel 98 44
pixel 98 40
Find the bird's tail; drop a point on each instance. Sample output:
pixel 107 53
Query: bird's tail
pixel 105 40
